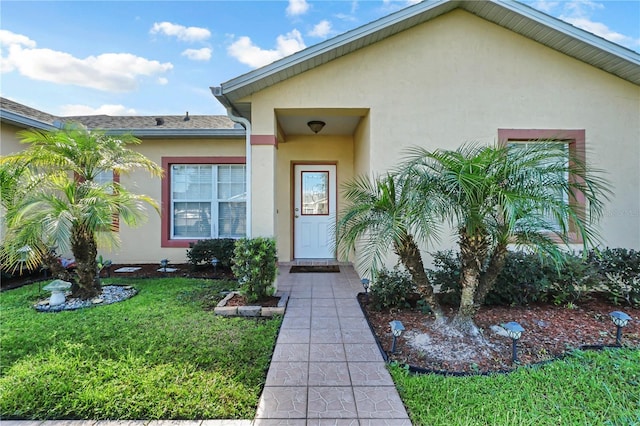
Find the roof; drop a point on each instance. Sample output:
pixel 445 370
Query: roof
pixel 165 126
pixel 517 17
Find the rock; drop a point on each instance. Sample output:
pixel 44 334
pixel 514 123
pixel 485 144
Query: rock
pixel 97 301
pixel 499 330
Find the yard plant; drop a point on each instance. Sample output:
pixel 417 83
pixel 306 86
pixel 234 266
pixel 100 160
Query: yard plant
pixel 490 196
pixel 53 198
pixel 159 355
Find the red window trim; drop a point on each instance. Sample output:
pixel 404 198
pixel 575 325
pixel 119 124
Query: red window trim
pixel 165 203
pixel 576 138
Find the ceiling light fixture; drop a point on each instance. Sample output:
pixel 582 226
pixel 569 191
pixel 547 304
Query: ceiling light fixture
pixel 316 125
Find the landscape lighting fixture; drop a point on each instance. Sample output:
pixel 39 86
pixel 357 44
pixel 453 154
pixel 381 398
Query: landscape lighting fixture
pixel 396 330
pixel 316 125
pixel 214 262
pixel 365 284
pixel 164 263
pixel 514 330
pixel 620 319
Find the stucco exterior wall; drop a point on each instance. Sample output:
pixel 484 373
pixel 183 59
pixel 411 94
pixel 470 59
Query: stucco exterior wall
pixel 460 78
pixel 9 142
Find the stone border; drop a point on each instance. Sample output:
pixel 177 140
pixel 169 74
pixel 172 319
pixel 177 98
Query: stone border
pixel 251 311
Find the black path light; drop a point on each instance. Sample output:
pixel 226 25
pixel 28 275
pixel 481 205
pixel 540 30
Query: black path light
pixel 214 262
pixel 365 284
pixel 396 330
pixel 514 330
pixel 620 319
pixel 164 263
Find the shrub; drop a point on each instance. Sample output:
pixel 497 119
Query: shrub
pixel 525 278
pixel 205 250
pixel 392 289
pixel 619 271
pixel 574 281
pixel 254 265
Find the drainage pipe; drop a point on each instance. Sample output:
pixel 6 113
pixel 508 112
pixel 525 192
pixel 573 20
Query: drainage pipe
pixel 217 92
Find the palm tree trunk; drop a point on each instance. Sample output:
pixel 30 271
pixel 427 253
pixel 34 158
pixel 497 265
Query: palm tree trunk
pixel 410 257
pixel 84 248
pixel 473 249
pixel 488 278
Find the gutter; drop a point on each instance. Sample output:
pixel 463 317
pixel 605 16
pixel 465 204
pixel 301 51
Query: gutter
pixel 217 92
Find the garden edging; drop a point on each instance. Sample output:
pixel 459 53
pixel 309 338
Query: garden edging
pixel 251 310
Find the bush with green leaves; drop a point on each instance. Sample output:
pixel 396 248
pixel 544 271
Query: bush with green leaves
pixel 619 270
pixel 574 281
pixel 392 289
pixel 525 278
pixel 255 266
pixel 204 250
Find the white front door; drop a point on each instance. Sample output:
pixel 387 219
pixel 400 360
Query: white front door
pixel 314 211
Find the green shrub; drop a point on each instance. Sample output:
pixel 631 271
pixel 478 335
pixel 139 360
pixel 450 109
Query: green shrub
pixel 254 265
pixel 525 278
pixel 574 281
pixel 619 271
pixel 205 250
pixel 392 289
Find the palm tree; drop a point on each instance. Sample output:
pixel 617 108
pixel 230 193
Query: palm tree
pixel 495 196
pixel 382 213
pixel 68 208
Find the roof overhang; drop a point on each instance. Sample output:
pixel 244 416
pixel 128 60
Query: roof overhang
pixel 180 133
pixel 517 17
pixel 23 121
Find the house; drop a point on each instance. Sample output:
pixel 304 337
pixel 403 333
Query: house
pixel 436 74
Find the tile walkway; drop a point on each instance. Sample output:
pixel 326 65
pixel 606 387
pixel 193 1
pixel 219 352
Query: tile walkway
pixel 326 367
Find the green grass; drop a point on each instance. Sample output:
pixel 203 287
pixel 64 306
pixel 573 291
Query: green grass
pixel 158 355
pixel 586 388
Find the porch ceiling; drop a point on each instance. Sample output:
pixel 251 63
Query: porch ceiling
pixel 340 122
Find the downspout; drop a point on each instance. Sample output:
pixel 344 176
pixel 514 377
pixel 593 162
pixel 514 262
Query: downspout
pixel 217 92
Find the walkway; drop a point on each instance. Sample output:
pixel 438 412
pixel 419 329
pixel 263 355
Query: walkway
pixel 326 367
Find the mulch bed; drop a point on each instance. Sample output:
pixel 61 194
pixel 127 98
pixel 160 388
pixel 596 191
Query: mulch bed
pixel 550 332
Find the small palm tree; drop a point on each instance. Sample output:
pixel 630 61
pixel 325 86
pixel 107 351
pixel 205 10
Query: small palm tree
pixel 382 214
pixel 494 196
pixel 67 208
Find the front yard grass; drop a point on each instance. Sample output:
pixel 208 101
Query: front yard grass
pixel 586 388
pixel 158 355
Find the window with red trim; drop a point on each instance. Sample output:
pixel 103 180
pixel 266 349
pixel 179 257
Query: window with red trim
pixel 203 197
pixel 573 141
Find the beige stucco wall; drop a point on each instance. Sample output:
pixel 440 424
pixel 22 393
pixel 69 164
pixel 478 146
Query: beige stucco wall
pixel 460 78
pixel 9 142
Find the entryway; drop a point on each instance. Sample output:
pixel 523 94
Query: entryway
pixel 314 211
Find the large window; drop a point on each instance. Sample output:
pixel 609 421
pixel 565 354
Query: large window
pixel 203 200
pixel 208 201
pixel 572 142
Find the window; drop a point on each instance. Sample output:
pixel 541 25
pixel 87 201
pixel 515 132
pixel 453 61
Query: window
pixel 203 200
pixel 104 177
pixel 571 141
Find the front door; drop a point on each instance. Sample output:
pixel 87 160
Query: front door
pixel 314 211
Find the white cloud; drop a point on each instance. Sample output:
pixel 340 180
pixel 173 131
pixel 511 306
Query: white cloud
pixel 248 53
pixel 71 110
pixel 181 32
pixel 117 72
pixel 297 7
pixel 203 54
pixel 545 5
pixel 601 30
pixel 321 29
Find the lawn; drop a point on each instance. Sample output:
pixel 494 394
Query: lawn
pixel 586 388
pixel 158 355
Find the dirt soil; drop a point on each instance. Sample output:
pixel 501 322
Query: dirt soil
pixel 550 332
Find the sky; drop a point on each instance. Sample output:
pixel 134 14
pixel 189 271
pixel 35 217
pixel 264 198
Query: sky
pixel 160 57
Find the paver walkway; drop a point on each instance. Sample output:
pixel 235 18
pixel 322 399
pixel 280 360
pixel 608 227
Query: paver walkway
pixel 326 368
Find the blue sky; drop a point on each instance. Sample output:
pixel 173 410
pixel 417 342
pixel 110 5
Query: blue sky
pixel 161 57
